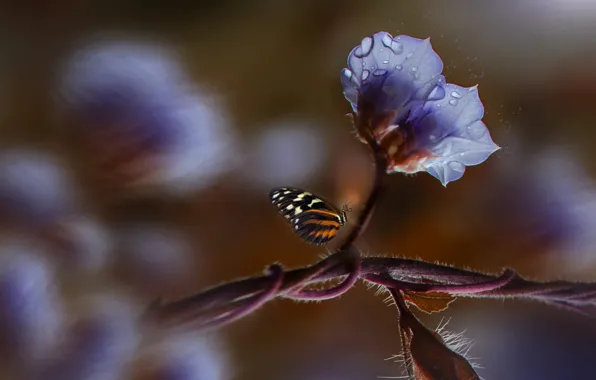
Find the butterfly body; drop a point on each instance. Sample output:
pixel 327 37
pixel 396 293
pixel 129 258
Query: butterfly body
pixel 313 218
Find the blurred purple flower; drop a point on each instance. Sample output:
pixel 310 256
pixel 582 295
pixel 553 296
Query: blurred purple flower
pixel 425 124
pixel 98 345
pixel 147 126
pixel 543 212
pixel 190 358
pixel 35 188
pixel 31 317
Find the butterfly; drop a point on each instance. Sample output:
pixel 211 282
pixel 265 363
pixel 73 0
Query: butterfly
pixel 314 219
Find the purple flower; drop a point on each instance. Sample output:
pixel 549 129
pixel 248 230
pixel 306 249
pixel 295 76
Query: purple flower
pixel 31 315
pixel 188 357
pixel 35 188
pixel 142 119
pixel 98 345
pixel 424 124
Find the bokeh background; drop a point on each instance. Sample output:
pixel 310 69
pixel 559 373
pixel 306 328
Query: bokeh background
pixel 139 141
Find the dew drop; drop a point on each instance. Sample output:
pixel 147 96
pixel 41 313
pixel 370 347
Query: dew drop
pixel 414 69
pixel 385 62
pixel 379 72
pixel 347 73
pixel 456 95
pixel 399 67
pixel 453 102
pixel 365 47
pixel 365 74
pixel 409 55
pixel 472 89
pixel 437 93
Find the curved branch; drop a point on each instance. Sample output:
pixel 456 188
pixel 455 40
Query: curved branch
pixel 333 292
pixel 405 274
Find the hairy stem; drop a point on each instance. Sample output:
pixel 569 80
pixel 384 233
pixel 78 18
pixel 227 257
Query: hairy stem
pixel 380 162
pixel 479 287
pixel 402 311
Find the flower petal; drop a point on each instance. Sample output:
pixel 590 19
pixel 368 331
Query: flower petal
pixel 391 72
pixel 451 129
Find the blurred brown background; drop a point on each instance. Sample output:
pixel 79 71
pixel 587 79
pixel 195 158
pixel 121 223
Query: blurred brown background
pixel 275 66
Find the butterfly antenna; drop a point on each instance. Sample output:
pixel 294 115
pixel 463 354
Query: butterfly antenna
pixel 347 207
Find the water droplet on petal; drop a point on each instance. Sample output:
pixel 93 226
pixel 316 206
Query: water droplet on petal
pixel 399 67
pixel 456 95
pixel 437 93
pixel 365 47
pixel 453 102
pixel 385 62
pixel 365 74
pixel 472 89
pixel 347 73
pixel 414 69
pixel 409 55
pixel 379 72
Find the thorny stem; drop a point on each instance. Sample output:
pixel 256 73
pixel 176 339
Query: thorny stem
pixel 402 312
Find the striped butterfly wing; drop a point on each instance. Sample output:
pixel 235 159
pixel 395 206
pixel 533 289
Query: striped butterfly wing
pixel 314 219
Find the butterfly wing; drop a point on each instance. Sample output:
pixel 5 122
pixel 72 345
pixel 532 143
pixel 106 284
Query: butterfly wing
pixel 314 219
